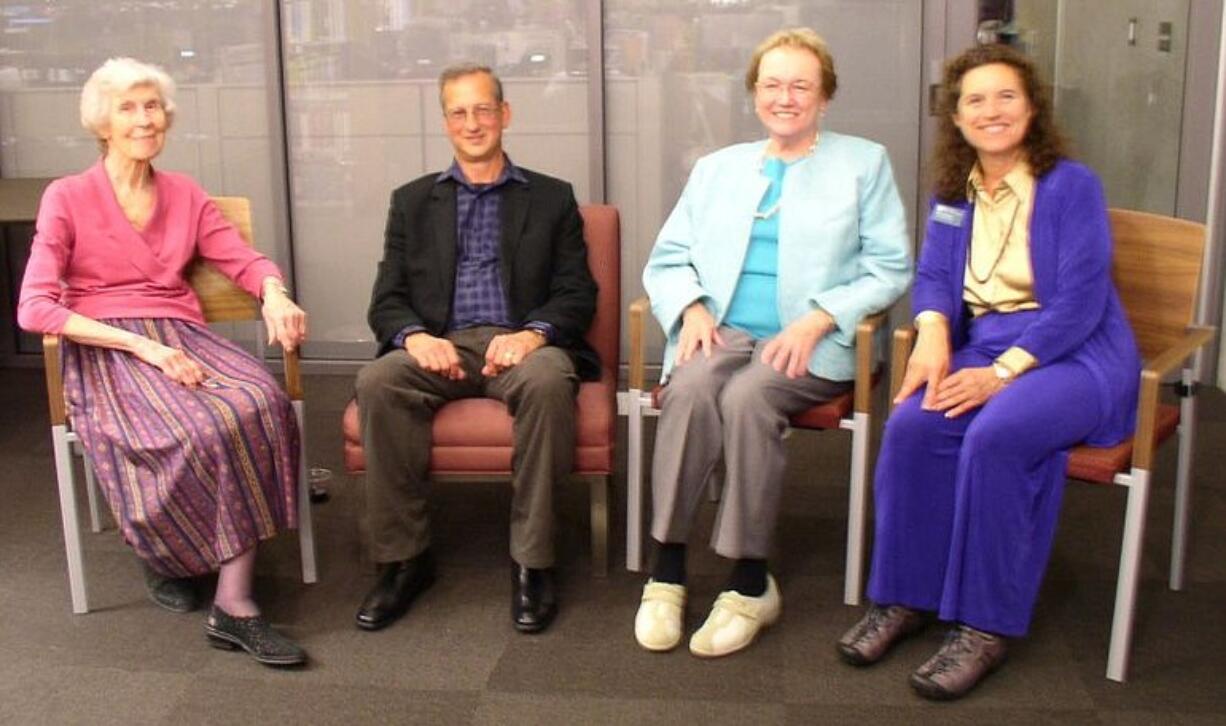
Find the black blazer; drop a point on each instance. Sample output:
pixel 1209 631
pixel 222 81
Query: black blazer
pixel 543 258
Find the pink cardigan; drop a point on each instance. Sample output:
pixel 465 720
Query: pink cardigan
pixel 88 259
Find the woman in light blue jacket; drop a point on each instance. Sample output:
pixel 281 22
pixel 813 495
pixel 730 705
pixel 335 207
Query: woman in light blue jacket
pixel 773 254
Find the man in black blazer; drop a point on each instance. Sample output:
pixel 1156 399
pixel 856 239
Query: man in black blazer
pixel 483 290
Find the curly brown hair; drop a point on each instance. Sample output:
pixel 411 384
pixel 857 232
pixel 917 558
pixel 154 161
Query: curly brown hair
pixel 954 157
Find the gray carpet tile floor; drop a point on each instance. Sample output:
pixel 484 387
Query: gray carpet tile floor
pixel 454 659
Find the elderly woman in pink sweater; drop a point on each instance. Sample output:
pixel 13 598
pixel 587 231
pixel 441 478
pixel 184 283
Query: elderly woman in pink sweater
pixel 193 442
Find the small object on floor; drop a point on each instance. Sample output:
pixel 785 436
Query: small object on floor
pixel 399 584
pixel 534 601
pixel 967 656
pixel 878 631
pixel 254 635
pixel 317 477
pixel 735 621
pixel 176 594
pixel 658 623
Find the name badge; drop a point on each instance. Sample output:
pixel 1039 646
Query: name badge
pixel 946 214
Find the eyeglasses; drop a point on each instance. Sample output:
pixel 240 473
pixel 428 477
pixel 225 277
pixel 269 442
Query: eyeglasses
pixel 483 114
pixel 774 88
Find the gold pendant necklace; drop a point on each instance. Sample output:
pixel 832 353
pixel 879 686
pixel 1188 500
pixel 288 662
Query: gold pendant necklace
pixel 1004 242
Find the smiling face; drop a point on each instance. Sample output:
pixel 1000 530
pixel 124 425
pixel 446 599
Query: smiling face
pixel 994 111
pixel 788 95
pixel 474 117
pixel 136 124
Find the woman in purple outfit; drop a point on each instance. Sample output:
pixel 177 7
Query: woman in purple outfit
pixel 1023 351
pixel 194 444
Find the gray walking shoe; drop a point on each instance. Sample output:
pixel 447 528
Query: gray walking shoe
pixel 176 594
pixel 869 640
pixel 966 657
pixel 254 635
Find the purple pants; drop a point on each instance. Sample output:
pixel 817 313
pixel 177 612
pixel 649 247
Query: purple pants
pixel 966 508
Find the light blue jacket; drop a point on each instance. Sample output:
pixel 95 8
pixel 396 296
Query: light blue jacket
pixel 843 243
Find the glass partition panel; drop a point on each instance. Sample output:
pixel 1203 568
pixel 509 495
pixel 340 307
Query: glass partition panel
pixel 226 133
pixel 363 118
pixel 674 83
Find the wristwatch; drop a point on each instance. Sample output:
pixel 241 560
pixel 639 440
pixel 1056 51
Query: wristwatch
pixel 1003 374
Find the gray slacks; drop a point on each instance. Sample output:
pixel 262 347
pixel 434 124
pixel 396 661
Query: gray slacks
pixel 735 405
pixel 396 403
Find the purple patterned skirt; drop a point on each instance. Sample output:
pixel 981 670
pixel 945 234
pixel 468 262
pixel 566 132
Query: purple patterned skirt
pixel 194 476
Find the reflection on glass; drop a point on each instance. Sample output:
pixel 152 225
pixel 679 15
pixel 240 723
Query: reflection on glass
pixel 215 51
pixel 1109 60
pixel 674 83
pixel 363 118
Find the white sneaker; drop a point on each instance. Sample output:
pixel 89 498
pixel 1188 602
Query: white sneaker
pixel 735 620
pixel 657 626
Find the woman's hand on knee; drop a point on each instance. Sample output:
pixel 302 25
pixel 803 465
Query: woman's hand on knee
pixel 927 366
pixel 966 390
pixel 698 330
pixel 789 351
pixel 173 362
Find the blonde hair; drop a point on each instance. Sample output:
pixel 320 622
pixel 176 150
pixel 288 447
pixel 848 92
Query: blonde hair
pixel 803 38
pixel 119 75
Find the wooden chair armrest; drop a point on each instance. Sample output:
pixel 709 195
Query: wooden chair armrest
pixel 1151 380
pixel 293 375
pixel 1179 351
pixel 904 341
pixel 865 333
pixel 55 384
pixel 638 316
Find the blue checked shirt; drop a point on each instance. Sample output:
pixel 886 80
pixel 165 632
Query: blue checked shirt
pixel 479 298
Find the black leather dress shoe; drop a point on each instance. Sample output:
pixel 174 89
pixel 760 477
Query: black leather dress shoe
pixel 399 584
pixel 534 600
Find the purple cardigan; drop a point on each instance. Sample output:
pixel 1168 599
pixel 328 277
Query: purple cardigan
pixel 1080 315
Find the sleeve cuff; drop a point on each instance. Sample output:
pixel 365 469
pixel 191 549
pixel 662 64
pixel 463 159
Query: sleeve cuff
pixel 540 326
pixel 932 316
pixel 399 338
pixel 1018 360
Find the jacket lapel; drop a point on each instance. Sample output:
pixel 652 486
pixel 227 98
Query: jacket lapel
pixel 514 215
pixel 443 243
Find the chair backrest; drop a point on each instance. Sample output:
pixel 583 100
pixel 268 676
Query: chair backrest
pixel 1157 272
pixel 220 299
pixel 602 230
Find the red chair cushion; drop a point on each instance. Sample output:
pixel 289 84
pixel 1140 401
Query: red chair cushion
pixel 1101 464
pixel 473 435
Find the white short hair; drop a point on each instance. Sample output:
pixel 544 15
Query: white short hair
pixel 119 75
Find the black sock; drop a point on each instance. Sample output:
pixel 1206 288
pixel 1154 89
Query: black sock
pixel 670 563
pixel 748 577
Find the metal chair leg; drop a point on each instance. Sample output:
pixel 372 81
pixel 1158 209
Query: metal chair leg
pixel 857 509
pixel 91 491
pixel 1183 481
pixel 306 530
pixel 1130 567
pixel 66 481
pixel 599 494
pixel 634 480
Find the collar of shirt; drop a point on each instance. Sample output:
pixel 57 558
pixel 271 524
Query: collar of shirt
pixel 1019 181
pixel 510 173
